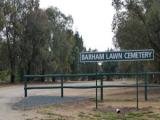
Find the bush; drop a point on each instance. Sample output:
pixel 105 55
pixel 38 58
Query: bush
pixel 4 76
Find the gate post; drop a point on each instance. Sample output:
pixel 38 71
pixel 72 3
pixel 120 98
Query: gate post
pixel 96 87
pixel 62 87
pixel 145 87
pixel 101 88
pixel 25 86
pixel 137 90
pixel 96 94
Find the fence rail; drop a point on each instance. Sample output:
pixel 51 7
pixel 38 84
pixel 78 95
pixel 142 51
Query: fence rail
pixel 145 85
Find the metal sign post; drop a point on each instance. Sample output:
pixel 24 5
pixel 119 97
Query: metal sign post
pixel 137 92
pixel 96 87
pixel 101 89
pixel 137 97
pixel 145 87
pixel 62 87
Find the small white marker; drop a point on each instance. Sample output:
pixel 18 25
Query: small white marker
pixel 117 110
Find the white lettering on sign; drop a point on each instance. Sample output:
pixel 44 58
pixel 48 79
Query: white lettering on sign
pixel 92 56
pixel 130 55
pixel 137 55
pixel 113 56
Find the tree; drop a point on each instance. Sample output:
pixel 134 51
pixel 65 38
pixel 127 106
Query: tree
pixel 36 41
pixel 78 47
pixel 11 11
pixel 33 44
pixel 136 25
pixel 12 14
pixel 61 41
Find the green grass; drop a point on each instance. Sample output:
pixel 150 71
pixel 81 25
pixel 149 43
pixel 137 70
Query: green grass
pixel 143 114
pixel 114 116
pixel 98 115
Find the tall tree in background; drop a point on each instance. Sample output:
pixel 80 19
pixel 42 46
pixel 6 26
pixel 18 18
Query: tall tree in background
pixel 36 41
pixel 136 25
pixel 12 12
pixel 35 38
pixel 61 41
pixel 78 47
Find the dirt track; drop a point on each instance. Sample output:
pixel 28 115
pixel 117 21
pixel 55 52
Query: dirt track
pixel 9 96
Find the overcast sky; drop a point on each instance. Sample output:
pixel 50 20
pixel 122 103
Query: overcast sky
pixel 92 19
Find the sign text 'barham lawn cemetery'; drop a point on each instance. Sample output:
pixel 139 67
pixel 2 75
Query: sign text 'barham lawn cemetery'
pixel 129 55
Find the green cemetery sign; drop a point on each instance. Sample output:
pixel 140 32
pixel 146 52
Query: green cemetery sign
pixel 128 55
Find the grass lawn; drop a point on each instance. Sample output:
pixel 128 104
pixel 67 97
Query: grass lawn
pixel 99 115
pixel 85 110
pixel 124 99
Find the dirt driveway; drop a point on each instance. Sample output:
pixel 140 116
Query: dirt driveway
pixel 10 95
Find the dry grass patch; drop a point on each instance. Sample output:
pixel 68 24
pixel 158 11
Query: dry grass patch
pixel 85 110
pixel 122 98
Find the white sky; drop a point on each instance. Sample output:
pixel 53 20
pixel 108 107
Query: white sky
pixel 92 19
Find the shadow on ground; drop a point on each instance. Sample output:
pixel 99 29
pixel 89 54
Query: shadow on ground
pixel 39 101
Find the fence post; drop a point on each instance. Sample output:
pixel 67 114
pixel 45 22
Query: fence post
pixel 25 86
pixel 137 90
pixel 145 87
pixel 96 87
pixel 96 94
pixel 101 88
pixel 61 87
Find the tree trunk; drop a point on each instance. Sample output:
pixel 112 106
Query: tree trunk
pixel 21 74
pixel 13 72
pixel 43 72
pixel 12 78
pixel 28 69
pixel 11 57
pixel 53 79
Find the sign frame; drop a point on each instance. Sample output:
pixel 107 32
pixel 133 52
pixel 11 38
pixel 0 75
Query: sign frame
pixel 114 60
